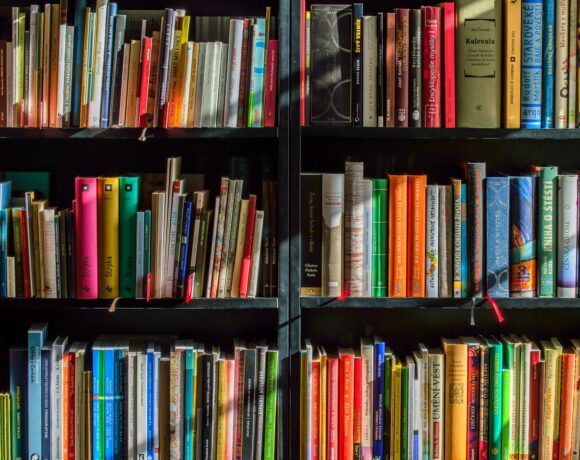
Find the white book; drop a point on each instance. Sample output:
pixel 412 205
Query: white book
pixel 186 84
pixel 445 263
pixel 56 400
pixel 50 288
pixel 141 405
pixel 367 422
pixel 206 96
pixel 171 244
pixel 234 68
pixel 369 72
pixel 567 235
pixel 367 237
pixel 222 86
pixel 124 79
pixel 432 242
pixel 411 405
pixel 215 82
pixel 9 85
pixel 332 234
pixel 10 277
pixel 139 254
pixel 131 402
pixel 68 68
pixel 16 50
pixel 97 89
pixel 256 248
pixel 212 250
pixel 32 67
pixel 436 404
pixel 353 228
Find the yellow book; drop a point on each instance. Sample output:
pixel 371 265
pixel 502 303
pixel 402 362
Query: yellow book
pixel 174 70
pixel 108 225
pixel 222 400
pixel 182 98
pixel 132 85
pixel 193 85
pixel 54 41
pixel 550 410
pixel 512 63
pixel 455 399
pixel 396 412
pixel 323 402
pixel 558 388
pixel 85 74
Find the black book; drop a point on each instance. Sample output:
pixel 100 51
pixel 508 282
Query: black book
pixel 62 254
pixel 70 253
pixel 207 406
pixel 357 54
pixel 475 226
pixel 380 70
pixel 265 256
pixel 248 435
pixel 330 64
pixel 57 259
pixel 117 68
pixel 273 240
pixel 415 74
pixel 311 231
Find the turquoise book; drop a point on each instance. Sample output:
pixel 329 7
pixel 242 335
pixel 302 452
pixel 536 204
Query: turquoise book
pixel 495 397
pixel 128 205
pixel 497 221
pixel 548 64
pixel 109 407
pixel 98 414
pixel 531 107
pixel 188 403
pixel 36 338
pixel 255 118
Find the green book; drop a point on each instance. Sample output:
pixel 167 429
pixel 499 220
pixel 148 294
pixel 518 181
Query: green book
pixel 380 237
pixel 509 400
pixel 495 397
pixel 17 237
pixel 508 448
pixel 387 399
pixel 271 401
pixel 201 253
pixel 404 412
pixel 547 231
pixel 128 205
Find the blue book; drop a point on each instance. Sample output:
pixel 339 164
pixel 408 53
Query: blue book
pixel 79 23
pixel 98 410
pixel 497 233
pixel 107 64
pixel 109 406
pixel 464 264
pixel 548 68
pixel 3 252
pixel 5 193
pixel 150 401
pixel 46 356
pixel 18 402
pixel 184 249
pixel 188 403
pixel 378 399
pixel 36 339
pixel 531 109
pixel 255 120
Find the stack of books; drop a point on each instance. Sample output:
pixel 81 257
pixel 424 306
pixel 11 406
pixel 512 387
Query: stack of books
pixel 484 64
pixel 100 67
pixel 137 399
pixel 104 246
pixel 400 237
pixel 503 398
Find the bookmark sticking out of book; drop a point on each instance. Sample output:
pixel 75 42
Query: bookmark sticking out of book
pixel 496 309
pixel 189 290
pixel 113 306
pixel 148 287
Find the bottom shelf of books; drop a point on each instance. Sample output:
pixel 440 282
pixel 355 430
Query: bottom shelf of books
pixel 139 397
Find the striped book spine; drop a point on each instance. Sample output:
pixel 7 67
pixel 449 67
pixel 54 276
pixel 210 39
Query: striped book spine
pixel 531 64
pixel 380 237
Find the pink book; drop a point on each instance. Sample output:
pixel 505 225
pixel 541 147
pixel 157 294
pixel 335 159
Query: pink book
pixel 271 81
pixel 448 13
pixel 144 86
pixel 431 36
pixel 332 409
pixel 247 260
pixel 87 286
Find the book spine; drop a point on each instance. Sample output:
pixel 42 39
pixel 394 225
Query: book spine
pixel 497 221
pixel 406 452
pixel 256 96
pixel 345 408
pixel 128 204
pixel 567 236
pixel 561 64
pixel 34 398
pixel 473 382
pixel 535 376
pixel 567 405
pixel 432 242
pixel 524 401
pixel 379 400
pixel 448 35
pixel 357 64
pixel 445 241
pixel 184 251
pixel 86 238
pixel 256 248
pixel 416 240
pixel 483 438
pixel 549 412
pixel 547 230
pixel 436 412
pixel 475 200
pixel 270 408
pixel 369 72
pixel 455 409
pixel 508 445
pixel 523 263
pixel 108 236
pixel 397 236
pixel 367 237
pixel 380 69
pixel 45 408
pixel 250 373
pixel 96 425
pixel 416 60
pixel 531 88
pixel 247 254
pixel 107 64
pixel 390 59
pixel 332 234
pixel 548 50
pixel 270 107
pixel 402 68
pixel 495 398
pixel 512 47
pixel 464 247
pixel 380 212
pixel 145 72
pixel 233 73
pixel 3 84
pixel 456 189
pixel 431 26
pixel 24 235
pixel 79 27
pixel 108 396
pixel 353 229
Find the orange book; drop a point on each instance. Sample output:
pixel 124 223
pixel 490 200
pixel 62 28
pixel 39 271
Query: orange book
pixel 455 399
pixel 66 407
pixel 567 405
pixel 397 236
pixel 345 404
pixel 416 238
pixel 315 411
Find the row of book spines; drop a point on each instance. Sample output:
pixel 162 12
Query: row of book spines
pixel 126 89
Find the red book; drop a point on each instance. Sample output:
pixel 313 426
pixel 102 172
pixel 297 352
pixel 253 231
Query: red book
pixel 402 67
pixel 332 409
pixel 243 75
pixel 271 82
pixel 70 426
pixel 302 62
pixel 448 37
pixel 239 356
pixel 66 409
pixel 315 412
pixel 346 405
pixel 390 71
pixel 87 281
pixel 24 246
pixel 472 400
pixel 357 415
pixel 535 375
pixel 144 84
pixel 247 260
pixel 431 64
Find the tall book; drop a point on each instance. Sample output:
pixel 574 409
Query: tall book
pixel 369 72
pixel 402 67
pixel 332 234
pixel 448 78
pixel 36 338
pixel 86 238
pixel 512 64
pixel 367 237
pixel 416 238
pixel 475 200
pixel 566 268
pixel 495 397
pixel 455 399
pixel 497 223
pixel 415 75
pixel 567 405
pixel 478 67
pixel 397 236
pixel 431 31
pixel 561 64
pixel 547 230
pixel 548 37
pixel 531 89
pixel 108 222
pixel 436 385
pixel 128 205
pixel 551 380
pixel 357 64
pixel 432 242
pixel 445 241
pixel 380 243
pixel 353 228
pixel 390 60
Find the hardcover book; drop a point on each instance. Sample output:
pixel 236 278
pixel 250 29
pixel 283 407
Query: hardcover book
pixel 547 230
pixel 86 238
pixel 497 222
pixel 416 238
pixel 432 242
pixel 567 245
pixel 353 228
pixel 512 63
pixel 380 243
pixel 531 89
pixel 332 234
pixel 475 200
pixel 401 67
pixel 432 25
pixel 397 236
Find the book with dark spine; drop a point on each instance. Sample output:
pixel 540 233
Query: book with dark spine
pixel 380 70
pixel 357 55
pixel 207 413
pixel 311 235
pixel 390 54
pixel 402 67
pixel 475 200
pixel 249 417
pixel 415 73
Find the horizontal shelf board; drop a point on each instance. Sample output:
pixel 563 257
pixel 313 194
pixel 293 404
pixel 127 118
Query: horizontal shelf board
pixel 139 133
pixel 263 303
pixel 338 132
pixel 389 302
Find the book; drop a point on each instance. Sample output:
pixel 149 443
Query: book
pixel 456 186
pixel 36 338
pixel 86 238
pixel 416 239
pixel 431 62
pixel 497 222
pixel 445 241
pixel 547 230
pixel 332 234
pixel 561 63
pixel 402 67
pixel 397 270
pixel 415 74
pixel 432 242
pixel 548 50
pixel 380 202
pixel 567 240
pixel 390 59
pixel 455 399
pixel 108 221
pixel 514 82
pixel 346 400
pixel 369 72
pixel 531 71
pixel 357 64
pixel 475 197
pixel 353 228
pixel 367 237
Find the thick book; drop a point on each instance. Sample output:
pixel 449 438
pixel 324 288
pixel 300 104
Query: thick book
pixel 108 242
pixel 547 230
pixel 531 89
pixel 367 237
pixel 416 238
pixel 478 64
pixel 397 235
pixel 380 242
pixel 475 200
pixel 431 56
pixel 415 64
pixel 369 72
pixel 448 72
pixel 331 66
pixel 497 213
pixel 566 268
pixel 523 240
pixel 357 64
pixel 128 204
pixel 36 338
pixel 402 67
pixel 512 62
pixel 86 238
pixel 561 63
pixel 548 50
pixel 353 228
pixel 432 242
pixel 332 234
pixel 456 190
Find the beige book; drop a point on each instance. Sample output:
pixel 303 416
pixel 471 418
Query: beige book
pixel 550 412
pixel 193 85
pixel 183 108
pixel 10 277
pixel 132 83
pixel 436 404
pixel 219 242
pixel 157 247
pixel 332 234
pixel 367 424
pixel 354 228
pixel 226 241
pixel 240 242
pixel 37 208
pixel 233 236
pixel 124 78
pixel 49 244
pixel 256 250
pixel 558 394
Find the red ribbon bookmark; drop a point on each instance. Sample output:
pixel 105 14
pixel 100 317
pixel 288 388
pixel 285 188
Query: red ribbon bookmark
pixel 496 309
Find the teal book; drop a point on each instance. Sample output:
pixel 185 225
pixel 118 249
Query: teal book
pixel 271 402
pixel 380 237
pixel 255 118
pixel 495 397
pixel 188 403
pixel 405 412
pixel 36 338
pixel 547 230
pixel 128 205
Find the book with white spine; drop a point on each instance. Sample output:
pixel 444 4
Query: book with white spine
pixel 332 234
pixel 353 228
pixel 256 249
pixel 432 242
pixel 98 66
pixel 233 73
pixel 567 235
pixel 141 404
